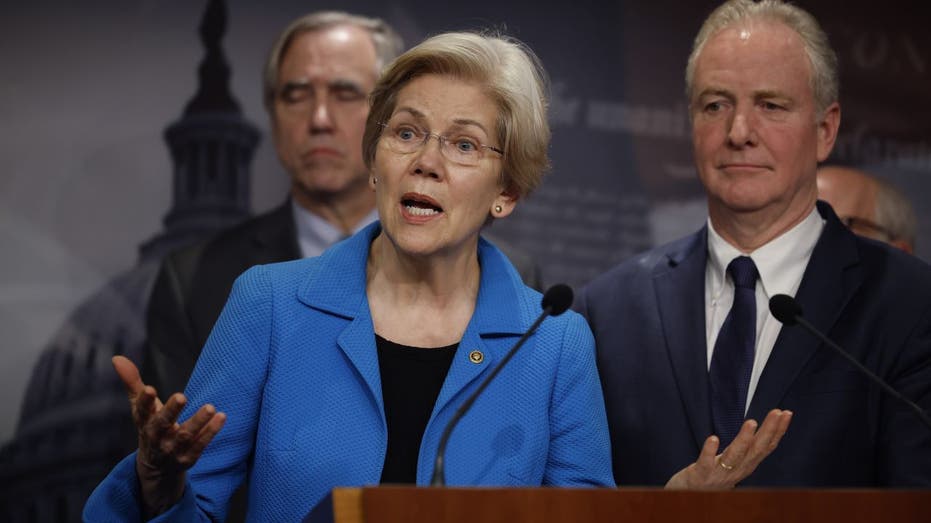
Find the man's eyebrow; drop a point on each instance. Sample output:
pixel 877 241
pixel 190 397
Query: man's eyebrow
pixel 339 83
pixel 342 83
pixel 769 93
pixel 295 84
pixel 716 91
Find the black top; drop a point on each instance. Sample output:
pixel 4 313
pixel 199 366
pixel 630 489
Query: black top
pixel 411 379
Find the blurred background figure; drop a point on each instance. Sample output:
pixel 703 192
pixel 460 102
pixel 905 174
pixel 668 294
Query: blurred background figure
pixel 869 206
pixel 316 83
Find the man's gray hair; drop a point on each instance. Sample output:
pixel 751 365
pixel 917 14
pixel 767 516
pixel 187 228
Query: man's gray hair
pixel 895 213
pixel 388 43
pixel 824 76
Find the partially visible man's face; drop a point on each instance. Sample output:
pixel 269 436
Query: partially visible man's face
pixel 320 109
pixel 850 193
pixel 756 132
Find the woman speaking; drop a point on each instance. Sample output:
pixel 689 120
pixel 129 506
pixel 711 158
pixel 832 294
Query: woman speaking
pixel 344 369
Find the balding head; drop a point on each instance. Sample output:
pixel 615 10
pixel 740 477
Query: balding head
pixel 850 192
pixel 868 206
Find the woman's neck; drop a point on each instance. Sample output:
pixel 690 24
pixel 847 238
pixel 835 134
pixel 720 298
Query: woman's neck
pixel 423 301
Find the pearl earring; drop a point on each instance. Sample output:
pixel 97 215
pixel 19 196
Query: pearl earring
pixel 498 208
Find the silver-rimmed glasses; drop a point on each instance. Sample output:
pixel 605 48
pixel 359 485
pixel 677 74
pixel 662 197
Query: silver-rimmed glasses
pixel 868 228
pixel 458 146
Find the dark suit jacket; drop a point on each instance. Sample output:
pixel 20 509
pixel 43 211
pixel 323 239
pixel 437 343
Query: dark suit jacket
pixel 647 315
pixel 192 286
pixel 194 282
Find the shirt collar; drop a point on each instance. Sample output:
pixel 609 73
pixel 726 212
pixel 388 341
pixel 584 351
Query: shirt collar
pixel 336 281
pixel 781 262
pixel 315 235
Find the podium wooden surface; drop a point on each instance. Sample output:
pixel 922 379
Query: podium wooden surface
pixel 544 505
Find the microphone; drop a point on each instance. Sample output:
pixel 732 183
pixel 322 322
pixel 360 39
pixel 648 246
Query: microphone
pixel 555 301
pixel 789 313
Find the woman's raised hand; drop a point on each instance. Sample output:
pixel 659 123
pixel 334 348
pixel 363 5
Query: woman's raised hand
pixel 166 448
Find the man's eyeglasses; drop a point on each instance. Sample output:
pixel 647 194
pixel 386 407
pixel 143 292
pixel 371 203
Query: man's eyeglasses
pixel 458 147
pixel 868 228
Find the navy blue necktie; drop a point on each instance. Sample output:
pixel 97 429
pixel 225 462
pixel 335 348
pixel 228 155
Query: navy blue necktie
pixel 732 359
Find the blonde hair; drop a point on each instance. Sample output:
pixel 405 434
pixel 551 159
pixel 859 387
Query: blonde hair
pixel 824 76
pixel 512 75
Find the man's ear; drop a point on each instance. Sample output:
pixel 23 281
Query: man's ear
pixel 827 131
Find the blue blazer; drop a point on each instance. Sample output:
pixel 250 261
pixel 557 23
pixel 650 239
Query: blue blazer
pixel 293 364
pixel 648 317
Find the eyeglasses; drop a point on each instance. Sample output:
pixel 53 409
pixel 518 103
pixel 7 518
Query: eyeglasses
pixel 459 148
pixel 865 227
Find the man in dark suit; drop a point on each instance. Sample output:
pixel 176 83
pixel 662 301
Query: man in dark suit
pixel 686 345
pixel 316 84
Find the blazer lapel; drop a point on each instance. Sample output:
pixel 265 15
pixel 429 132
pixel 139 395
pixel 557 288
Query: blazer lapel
pixel 336 285
pixel 680 296
pixel 357 341
pixel 492 331
pixel 827 285
pixel 275 239
pixel 464 370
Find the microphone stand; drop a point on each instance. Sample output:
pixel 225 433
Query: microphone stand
pixel 876 379
pixel 785 309
pixel 439 477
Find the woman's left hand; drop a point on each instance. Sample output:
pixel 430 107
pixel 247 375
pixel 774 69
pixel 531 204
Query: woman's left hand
pixel 724 471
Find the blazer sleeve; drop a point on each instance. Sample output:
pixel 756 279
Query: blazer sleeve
pixel 905 450
pixel 580 448
pixel 231 375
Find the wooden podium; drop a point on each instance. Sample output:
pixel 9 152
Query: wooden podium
pixel 545 505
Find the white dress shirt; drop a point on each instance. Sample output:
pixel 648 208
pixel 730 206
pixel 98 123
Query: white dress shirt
pixel 315 235
pixel 781 264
